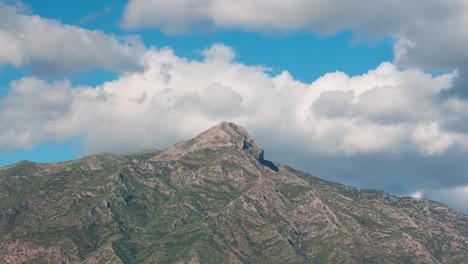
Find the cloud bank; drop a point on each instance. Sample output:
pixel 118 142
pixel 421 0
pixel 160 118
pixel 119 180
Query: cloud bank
pixel 384 110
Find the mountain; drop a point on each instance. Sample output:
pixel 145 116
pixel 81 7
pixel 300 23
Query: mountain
pixel 212 199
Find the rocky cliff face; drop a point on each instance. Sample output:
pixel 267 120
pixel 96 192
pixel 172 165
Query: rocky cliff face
pixel 213 199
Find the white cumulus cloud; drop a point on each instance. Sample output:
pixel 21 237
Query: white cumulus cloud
pixel 51 48
pixel 383 110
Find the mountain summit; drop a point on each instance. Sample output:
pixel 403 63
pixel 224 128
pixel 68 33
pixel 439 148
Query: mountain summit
pixel 212 199
pixel 230 133
pixel 224 135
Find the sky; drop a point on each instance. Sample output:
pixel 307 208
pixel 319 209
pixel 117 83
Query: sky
pixel 372 94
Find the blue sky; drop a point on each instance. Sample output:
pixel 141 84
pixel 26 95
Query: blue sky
pixel 347 93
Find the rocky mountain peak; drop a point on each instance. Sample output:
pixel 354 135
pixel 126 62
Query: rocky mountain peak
pixel 230 134
pixel 223 135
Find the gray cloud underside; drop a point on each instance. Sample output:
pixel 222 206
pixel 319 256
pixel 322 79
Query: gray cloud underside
pixel 420 27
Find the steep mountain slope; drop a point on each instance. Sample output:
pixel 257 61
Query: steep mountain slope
pixel 213 199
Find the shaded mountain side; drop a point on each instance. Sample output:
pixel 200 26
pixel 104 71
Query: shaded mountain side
pixel 212 199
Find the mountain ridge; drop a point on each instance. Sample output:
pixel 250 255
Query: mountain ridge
pixel 212 199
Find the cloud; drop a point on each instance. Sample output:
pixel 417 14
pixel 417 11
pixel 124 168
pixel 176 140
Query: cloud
pixel 389 122
pixel 33 111
pixel 320 16
pixel 417 195
pixel 370 113
pixel 428 34
pixel 49 48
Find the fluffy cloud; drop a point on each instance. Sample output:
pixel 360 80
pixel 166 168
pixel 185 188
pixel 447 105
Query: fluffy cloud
pixel 428 34
pixel 337 122
pixel 50 48
pixel 33 111
pixel 370 113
